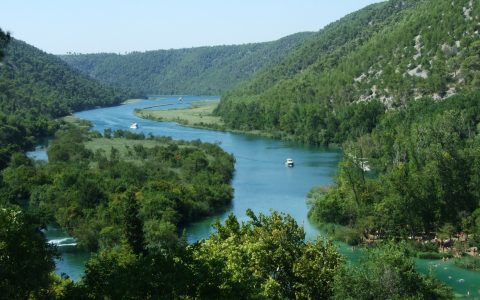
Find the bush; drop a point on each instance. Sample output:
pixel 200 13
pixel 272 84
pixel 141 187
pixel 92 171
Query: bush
pixel 329 207
pixel 417 247
pixel 468 262
pixel 433 255
pixel 347 235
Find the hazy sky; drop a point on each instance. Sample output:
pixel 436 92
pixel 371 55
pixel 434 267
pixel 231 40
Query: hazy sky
pixel 87 26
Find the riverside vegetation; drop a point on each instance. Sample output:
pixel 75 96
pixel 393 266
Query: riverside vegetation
pixel 127 203
pixel 396 84
pixel 426 158
pixel 35 88
pixel 199 114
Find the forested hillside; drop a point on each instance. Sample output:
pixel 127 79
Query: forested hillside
pixel 202 70
pixel 36 87
pixel 41 83
pixel 394 52
pixel 427 158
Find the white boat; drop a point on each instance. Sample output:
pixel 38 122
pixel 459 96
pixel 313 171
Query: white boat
pixel 289 162
pixel 180 99
pixel 134 126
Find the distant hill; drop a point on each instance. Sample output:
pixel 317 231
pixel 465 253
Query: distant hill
pixel 201 70
pixel 335 84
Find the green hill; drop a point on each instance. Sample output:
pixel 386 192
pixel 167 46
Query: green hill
pixel 38 82
pixel 201 70
pixel 335 85
pixel 36 87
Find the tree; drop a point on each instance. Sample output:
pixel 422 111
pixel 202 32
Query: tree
pixel 134 225
pixel 387 272
pixel 26 259
pixel 4 39
pixel 266 257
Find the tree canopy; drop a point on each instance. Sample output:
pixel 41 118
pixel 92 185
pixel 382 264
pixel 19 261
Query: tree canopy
pixel 390 53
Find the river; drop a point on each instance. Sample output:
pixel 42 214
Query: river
pixel 261 181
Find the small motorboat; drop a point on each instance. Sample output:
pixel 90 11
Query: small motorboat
pixel 134 126
pixel 289 163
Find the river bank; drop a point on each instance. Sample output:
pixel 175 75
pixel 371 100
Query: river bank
pixel 200 115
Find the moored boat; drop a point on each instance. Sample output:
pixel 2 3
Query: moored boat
pixel 289 163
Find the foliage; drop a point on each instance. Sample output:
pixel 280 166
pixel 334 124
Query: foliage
pixel 333 87
pixel 139 193
pixel 134 225
pixel 4 39
pixel 427 158
pixel 387 272
pixel 120 274
pixel 433 255
pixel 468 262
pixel 36 87
pixel 26 260
pixel 266 257
pixel 198 71
pixel 34 82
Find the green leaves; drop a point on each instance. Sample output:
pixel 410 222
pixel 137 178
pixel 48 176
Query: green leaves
pixel 266 257
pixel 426 158
pixel 26 260
pixel 335 86
pixel 387 272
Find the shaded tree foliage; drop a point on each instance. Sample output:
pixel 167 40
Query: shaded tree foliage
pixel 26 260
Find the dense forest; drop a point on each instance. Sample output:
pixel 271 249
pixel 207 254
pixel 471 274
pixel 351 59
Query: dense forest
pixel 195 71
pixel 35 82
pixel 393 52
pixel 127 202
pixel 35 88
pixel 89 180
pixel 396 84
pixel 427 157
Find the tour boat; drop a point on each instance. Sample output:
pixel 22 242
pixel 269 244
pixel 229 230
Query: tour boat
pixel 289 162
pixel 134 126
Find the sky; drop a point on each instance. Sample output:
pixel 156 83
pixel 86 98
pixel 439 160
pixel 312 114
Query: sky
pixel 121 26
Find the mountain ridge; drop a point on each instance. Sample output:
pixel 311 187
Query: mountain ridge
pixel 32 79
pixel 198 70
pixel 413 53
